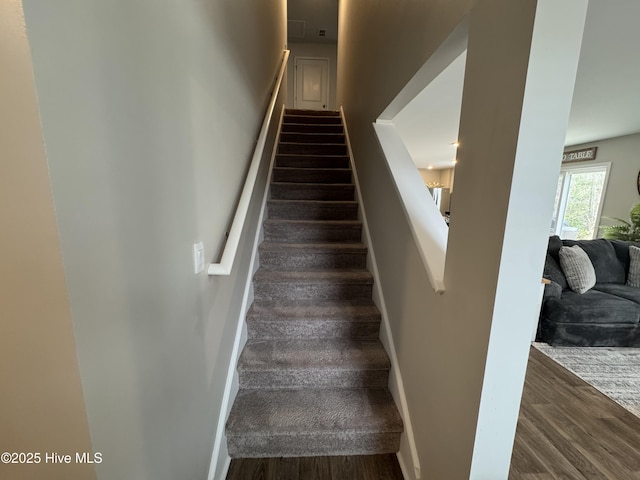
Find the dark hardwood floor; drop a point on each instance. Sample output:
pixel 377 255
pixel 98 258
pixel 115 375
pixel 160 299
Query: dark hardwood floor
pixel 364 467
pixel 566 430
pixel 569 430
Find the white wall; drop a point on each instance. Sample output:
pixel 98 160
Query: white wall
pixel 41 405
pixel 443 176
pixel 456 386
pixel 622 191
pixel 150 112
pixel 319 50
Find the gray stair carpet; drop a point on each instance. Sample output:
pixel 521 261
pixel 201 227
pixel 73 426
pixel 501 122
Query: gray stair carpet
pixel 313 374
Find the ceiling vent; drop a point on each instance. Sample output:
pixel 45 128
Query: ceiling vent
pixel 295 28
pixel 322 32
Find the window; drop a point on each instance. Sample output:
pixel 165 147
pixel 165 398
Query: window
pixel 576 212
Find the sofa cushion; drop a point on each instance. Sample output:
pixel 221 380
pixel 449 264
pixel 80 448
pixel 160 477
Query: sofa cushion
pixel 553 272
pixel 555 244
pixel 621 248
pixel 608 268
pixel 622 291
pixel 593 307
pixel 633 277
pixel 578 269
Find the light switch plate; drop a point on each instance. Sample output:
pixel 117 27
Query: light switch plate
pixel 198 257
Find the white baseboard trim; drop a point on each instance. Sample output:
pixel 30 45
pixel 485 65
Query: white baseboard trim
pixel 408 453
pixel 219 455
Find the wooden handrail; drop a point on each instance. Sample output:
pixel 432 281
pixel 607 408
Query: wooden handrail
pixel 231 247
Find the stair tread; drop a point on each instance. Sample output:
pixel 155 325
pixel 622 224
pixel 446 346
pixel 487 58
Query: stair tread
pixel 309 411
pixel 296 117
pixel 347 310
pixel 284 221
pixel 312 185
pixel 313 373
pixel 312 113
pixel 313 169
pixel 313 133
pixel 306 144
pixel 312 155
pixel 322 202
pixel 306 354
pixel 355 248
pixel 351 276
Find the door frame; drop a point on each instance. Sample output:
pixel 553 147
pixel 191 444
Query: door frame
pixel 295 78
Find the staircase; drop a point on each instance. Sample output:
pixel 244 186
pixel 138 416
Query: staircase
pixel 313 373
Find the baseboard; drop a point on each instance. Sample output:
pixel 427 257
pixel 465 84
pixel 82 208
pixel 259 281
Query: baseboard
pixel 408 453
pixel 406 474
pixel 220 459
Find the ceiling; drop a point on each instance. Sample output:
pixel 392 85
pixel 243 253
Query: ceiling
pixel 307 17
pixel 606 100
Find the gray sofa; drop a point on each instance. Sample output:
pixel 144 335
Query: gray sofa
pixel 606 315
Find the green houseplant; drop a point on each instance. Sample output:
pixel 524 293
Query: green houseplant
pixel 625 230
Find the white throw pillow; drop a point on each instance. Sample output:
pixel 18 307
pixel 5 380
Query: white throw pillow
pixel 633 279
pixel 578 269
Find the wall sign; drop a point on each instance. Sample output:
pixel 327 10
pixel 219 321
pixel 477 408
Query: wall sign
pixel 580 155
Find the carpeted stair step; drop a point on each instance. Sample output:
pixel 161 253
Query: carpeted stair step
pixel 313 210
pixel 312 119
pixel 311 128
pixel 313 148
pixel 308 137
pixel 311 191
pixel 312 161
pixel 312 256
pixel 313 113
pixel 312 175
pixel 314 363
pixel 313 374
pixel 322 422
pixel 311 285
pixel 301 231
pixel 324 319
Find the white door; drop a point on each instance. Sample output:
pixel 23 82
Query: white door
pixel 312 83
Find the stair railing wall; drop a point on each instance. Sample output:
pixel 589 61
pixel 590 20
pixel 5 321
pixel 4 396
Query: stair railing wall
pixel 408 454
pixel 220 459
pixel 231 247
pixel 427 225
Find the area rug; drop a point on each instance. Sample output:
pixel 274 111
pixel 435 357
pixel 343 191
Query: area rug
pixel 614 371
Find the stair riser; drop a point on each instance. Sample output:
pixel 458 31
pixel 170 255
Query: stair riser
pixel 306 128
pixel 312 211
pixel 295 119
pixel 309 161
pixel 312 192
pixel 295 137
pixel 314 378
pixel 307 175
pixel 312 148
pixel 290 260
pixel 346 443
pixel 316 233
pixel 310 291
pixel 312 113
pixel 290 329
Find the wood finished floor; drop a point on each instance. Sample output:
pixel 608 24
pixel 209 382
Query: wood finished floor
pixel 362 467
pixel 567 430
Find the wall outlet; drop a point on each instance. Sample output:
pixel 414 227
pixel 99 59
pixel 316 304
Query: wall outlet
pixel 198 257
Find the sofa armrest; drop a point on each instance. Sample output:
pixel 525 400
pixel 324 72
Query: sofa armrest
pixel 552 290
